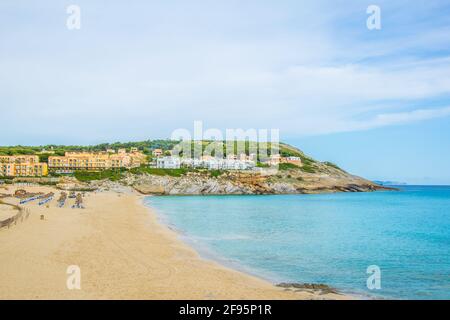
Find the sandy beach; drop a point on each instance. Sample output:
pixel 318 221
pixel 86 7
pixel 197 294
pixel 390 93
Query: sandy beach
pixel 123 252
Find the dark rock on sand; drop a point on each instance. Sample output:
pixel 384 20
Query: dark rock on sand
pixel 313 287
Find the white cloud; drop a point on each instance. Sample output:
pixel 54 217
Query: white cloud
pixel 294 66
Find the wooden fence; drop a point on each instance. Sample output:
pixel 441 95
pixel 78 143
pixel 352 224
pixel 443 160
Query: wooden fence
pixel 23 213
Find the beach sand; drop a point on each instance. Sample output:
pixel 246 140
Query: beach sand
pixel 123 252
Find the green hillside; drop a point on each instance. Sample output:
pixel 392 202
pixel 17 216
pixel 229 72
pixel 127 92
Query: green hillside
pixel 310 165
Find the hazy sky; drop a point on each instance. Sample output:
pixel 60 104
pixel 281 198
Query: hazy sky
pixel 375 102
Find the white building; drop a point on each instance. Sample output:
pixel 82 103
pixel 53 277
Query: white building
pixel 168 163
pixel 220 164
pixel 206 163
pixel 293 159
pixel 250 157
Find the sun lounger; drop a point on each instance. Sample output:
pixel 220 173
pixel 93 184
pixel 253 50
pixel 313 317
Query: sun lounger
pixel 44 201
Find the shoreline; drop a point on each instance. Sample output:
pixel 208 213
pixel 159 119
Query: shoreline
pixel 123 251
pixel 208 254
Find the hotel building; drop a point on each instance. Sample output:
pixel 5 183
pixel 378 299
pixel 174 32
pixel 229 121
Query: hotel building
pixel 22 166
pixel 97 161
pixel 19 159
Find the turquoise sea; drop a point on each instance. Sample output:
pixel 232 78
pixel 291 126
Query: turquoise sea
pixel 328 238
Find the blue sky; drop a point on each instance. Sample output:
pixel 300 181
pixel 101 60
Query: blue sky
pixel 375 102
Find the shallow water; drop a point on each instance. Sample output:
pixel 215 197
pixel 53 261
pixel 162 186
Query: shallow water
pixel 329 239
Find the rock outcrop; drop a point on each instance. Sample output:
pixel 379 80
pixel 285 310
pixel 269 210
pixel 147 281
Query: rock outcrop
pixel 282 182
